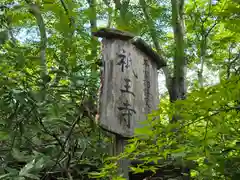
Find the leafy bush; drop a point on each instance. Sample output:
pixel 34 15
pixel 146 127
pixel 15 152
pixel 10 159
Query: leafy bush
pixel 205 139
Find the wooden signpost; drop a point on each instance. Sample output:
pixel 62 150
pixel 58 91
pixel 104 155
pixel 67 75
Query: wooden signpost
pixel 129 85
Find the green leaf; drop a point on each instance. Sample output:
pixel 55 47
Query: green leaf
pixel 6 175
pixel 31 176
pixel 4 135
pixel 39 164
pixel 143 131
pixel 12 170
pixel 26 169
pixel 137 170
pixel 20 156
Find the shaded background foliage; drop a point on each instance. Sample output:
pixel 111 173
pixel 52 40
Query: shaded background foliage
pixel 47 127
pixel 49 77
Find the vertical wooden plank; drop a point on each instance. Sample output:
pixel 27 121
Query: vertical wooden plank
pixel 129 89
pixel 123 163
pixel 129 92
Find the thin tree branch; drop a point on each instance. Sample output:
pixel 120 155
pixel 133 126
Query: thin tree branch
pixel 229 62
pixel 35 11
pixel 71 19
pixel 211 28
pixel 66 140
pixel 93 25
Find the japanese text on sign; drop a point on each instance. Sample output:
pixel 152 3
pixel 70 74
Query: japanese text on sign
pixel 126 109
pixel 147 85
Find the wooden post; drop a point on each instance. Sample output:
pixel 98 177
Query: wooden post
pixel 120 143
pixel 129 86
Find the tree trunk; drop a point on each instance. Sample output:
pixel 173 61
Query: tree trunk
pixel 93 25
pixel 203 48
pixel 35 10
pixel 178 84
pixel 154 37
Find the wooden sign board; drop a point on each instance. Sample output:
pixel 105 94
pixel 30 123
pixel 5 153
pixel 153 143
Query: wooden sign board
pixel 130 87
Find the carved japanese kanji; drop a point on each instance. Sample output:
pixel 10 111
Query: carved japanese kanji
pixel 127 86
pixel 125 60
pixel 126 112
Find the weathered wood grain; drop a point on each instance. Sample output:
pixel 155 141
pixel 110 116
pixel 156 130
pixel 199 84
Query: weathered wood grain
pixel 129 87
pixel 110 33
pixel 135 77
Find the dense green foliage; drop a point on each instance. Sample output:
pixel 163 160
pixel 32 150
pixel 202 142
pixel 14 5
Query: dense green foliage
pixel 49 80
pixel 206 139
pixel 46 122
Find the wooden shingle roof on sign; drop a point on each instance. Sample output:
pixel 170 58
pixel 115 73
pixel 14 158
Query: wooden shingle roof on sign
pixel 110 33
